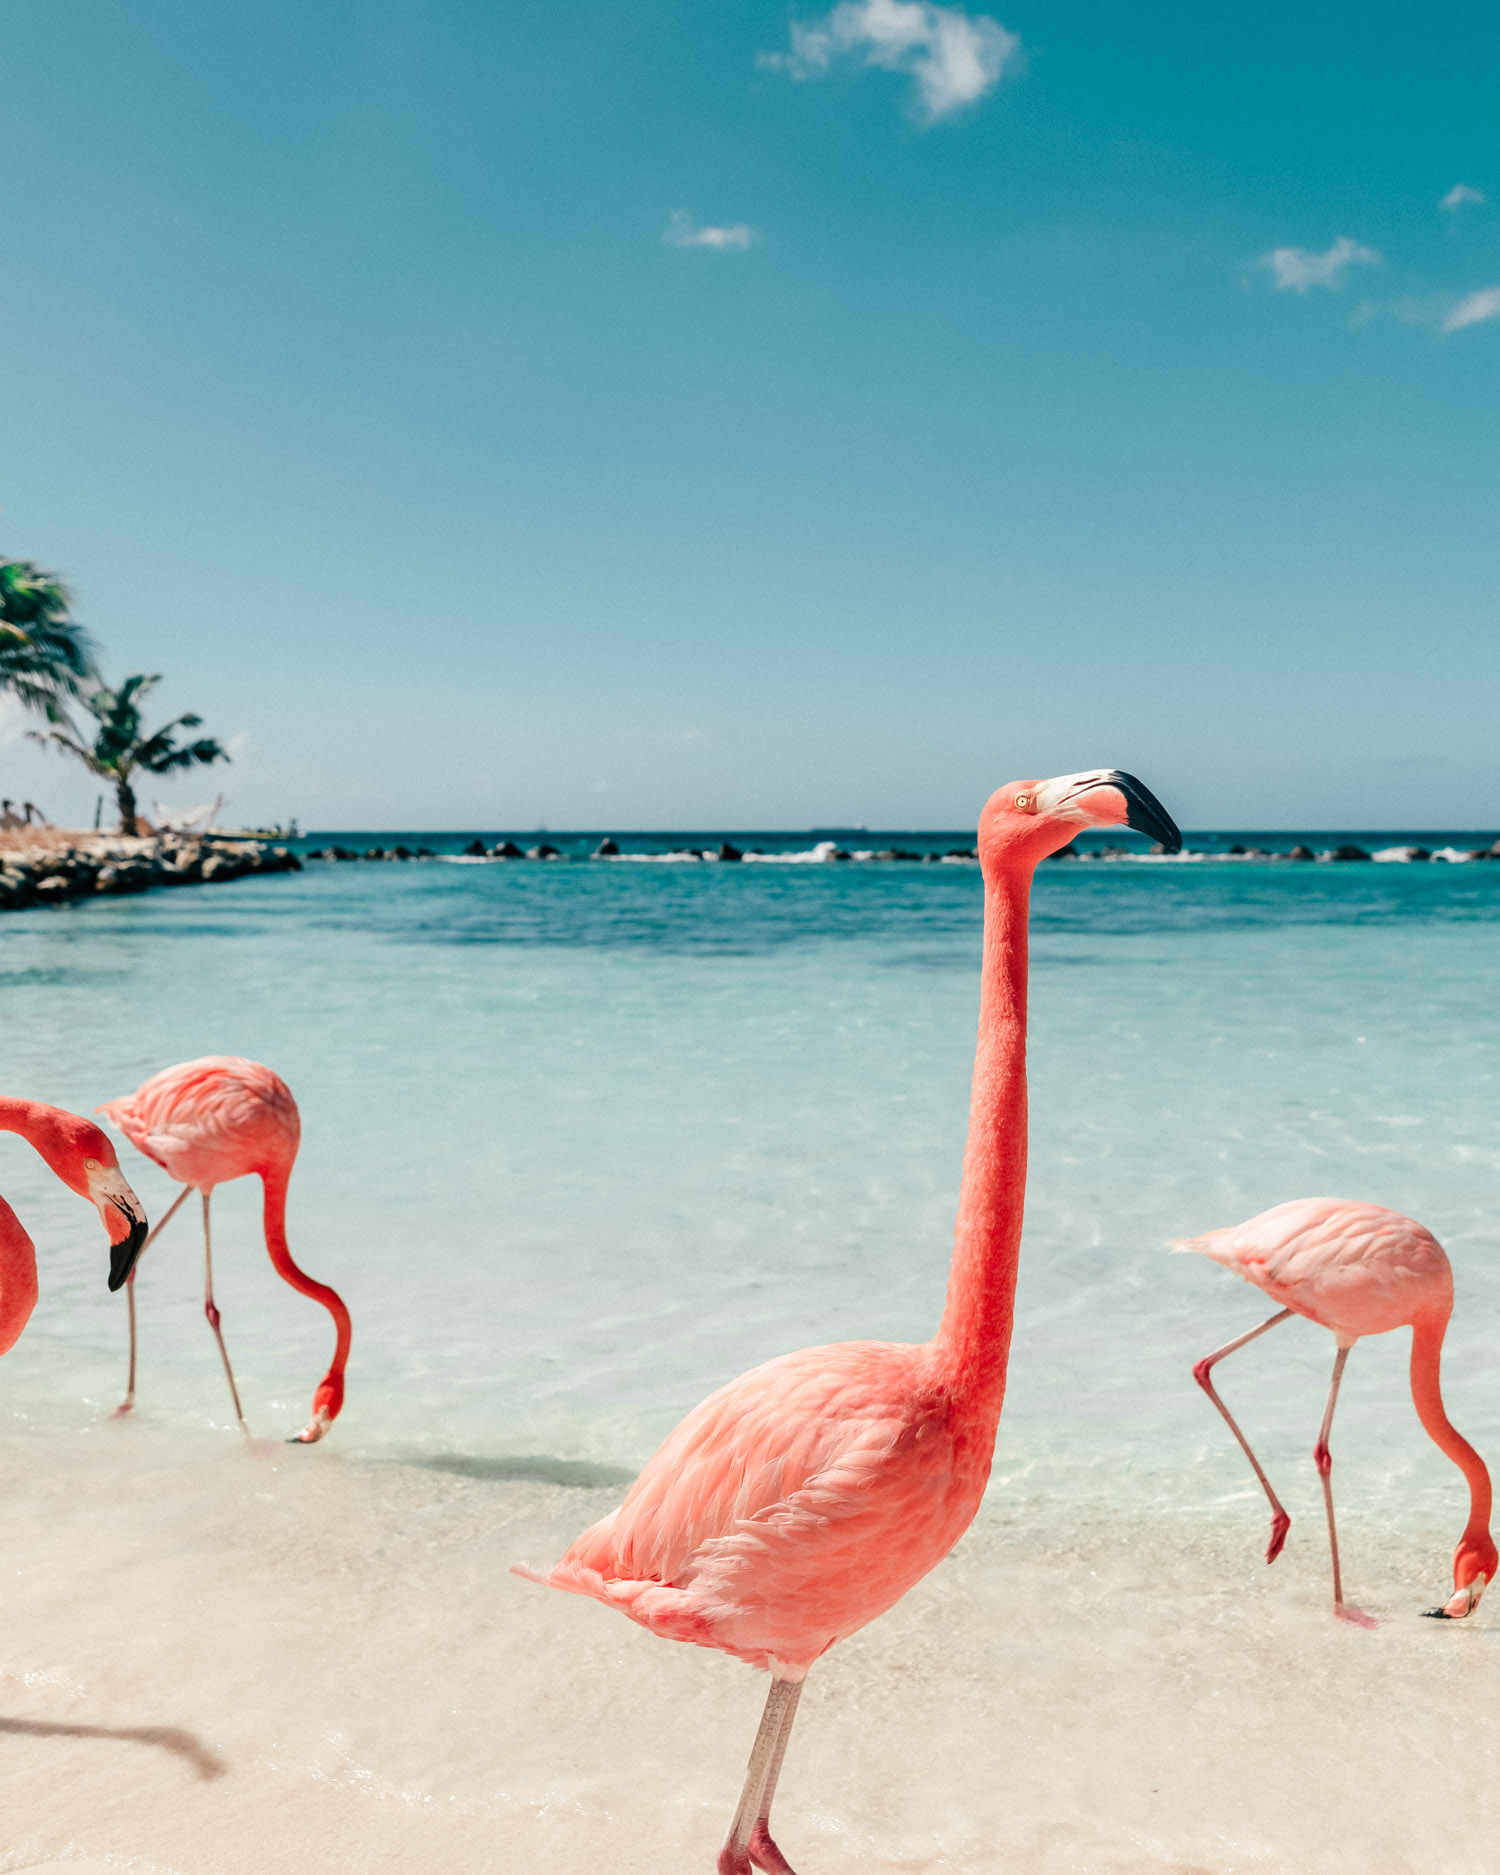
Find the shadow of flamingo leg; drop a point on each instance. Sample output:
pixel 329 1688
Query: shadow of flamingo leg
pixel 1280 1522
pixel 763 1851
pixel 156 1229
pixel 1323 1459
pixel 734 1857
pixel 211 1310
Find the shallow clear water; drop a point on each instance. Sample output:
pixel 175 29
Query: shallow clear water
pixel 580 1142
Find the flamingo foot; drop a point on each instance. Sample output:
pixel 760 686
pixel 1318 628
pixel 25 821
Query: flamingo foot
pixel 125 1406
pixel 1356 1617
pixel 1280 1524
pixel 312 1431
pixel 765 1855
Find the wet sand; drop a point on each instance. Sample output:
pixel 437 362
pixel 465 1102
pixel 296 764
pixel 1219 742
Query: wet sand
pixel 220 1662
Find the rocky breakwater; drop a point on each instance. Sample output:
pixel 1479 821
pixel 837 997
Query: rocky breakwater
pixel 50 867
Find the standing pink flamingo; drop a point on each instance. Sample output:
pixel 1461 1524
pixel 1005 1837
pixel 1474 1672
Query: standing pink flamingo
pixel 805 1498
pixel 1357 1269
pixel 85 1161
pixel 205 1122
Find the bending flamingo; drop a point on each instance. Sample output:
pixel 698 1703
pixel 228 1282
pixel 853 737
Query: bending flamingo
pixel 85 1161
pixel 805 1498
pixel 205 1122
pixel 1358 1269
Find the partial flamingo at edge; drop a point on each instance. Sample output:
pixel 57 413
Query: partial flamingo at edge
pixel 1357 1269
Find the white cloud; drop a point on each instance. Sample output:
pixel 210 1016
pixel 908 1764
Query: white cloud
pixel 1474 310
pixel 1298 268
pixel 682 233
pixel 954 58
pixel 1460 196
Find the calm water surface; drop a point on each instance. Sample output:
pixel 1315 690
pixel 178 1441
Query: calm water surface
pixel 582 1141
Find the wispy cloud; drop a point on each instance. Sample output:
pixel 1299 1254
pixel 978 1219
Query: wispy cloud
pixel 1461 196
pixel 1298 268
pixel 953 56
pixel 682 233
pixel 1474 309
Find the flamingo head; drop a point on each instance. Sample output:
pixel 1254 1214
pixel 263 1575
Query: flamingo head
pixel 84 1160
pixel 1036 818
pixel 326 1406
pixel 1473 1566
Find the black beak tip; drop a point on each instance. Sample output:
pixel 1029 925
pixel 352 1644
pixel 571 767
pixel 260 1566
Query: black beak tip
pixel 1437 1614
pixel 1145 814
pixel 122 1256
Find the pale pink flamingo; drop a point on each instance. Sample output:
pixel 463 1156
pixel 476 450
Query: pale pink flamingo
pixel 805 1498
pixel 205 1122
pixel 1357 1269
pixel 81 1156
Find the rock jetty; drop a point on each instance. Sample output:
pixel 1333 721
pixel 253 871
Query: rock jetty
pixel 46 866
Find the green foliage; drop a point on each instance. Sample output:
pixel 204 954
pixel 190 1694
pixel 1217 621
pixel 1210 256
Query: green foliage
pixel 44 655
pixel 121 745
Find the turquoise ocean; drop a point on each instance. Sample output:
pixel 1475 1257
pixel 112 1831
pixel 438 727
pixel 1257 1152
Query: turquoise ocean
pixel 583 1140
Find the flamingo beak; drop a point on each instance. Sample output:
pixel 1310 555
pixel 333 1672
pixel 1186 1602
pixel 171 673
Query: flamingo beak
pixel 124 1251
pixel 1463 1603
pixel 1144 812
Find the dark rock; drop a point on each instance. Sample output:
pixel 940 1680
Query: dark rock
pixel 932 859
pixel 1345 853
pixel 54 888
pixel 401 852
pixel 425 852
pixel 1238 851
pixel 1300 852
pixel 727 850
pixel 607 849
pixel 507 849
pixel 1065 852
pixel 474 850
pixel 541 851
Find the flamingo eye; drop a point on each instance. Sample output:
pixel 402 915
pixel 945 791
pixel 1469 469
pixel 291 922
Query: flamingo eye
pixel 92 1165
pixel 1025 800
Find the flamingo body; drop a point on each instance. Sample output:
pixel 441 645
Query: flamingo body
pixel 791 1507
pixel 208 1121
pixel 1357 1269
pixel 215 1119
pixel 805 1498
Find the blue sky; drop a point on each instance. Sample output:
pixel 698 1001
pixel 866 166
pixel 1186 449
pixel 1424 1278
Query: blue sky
pixel 687 416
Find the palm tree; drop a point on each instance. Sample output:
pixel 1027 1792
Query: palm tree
pixel 43 653
pixel 120 745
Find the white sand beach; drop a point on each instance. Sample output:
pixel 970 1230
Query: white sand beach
pixel 229 1662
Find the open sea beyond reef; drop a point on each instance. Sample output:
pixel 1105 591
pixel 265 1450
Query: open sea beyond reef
pixel 581 1141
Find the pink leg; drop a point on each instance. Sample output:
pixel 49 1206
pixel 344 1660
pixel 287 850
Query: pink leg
pixel 1323 1459
pixel 749 1842
pixel 156 1229
pixel 211 1310
pixel 1280 1522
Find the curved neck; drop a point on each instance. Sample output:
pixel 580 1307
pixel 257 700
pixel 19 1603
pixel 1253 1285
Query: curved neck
pixel 17 1277
pixel 274 1182
pixel 972 1343
pixel 1427 1397
pixel 26 1117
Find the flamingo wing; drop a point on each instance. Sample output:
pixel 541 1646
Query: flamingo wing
pixel 210 1120
pixel 1359 1269
pixel 791 1507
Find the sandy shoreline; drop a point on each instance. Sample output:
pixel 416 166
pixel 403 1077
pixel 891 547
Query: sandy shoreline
pixel 221 1663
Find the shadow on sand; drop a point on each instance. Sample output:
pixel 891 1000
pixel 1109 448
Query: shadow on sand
pixel 173 1738
pixel 533 1470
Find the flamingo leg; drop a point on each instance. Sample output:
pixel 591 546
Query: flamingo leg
pixel 1323 1459
pixel 156 1229
pixel 749 1842
pixel 1280 1521
pixel 211 1310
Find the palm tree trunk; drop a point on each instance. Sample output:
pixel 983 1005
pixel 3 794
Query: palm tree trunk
pixel 125 796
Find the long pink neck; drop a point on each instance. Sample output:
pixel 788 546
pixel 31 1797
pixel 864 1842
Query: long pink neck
pixel 17 1278
pixel 275 1182
pixel 972 1344
pixel 24 1117
pixel 1427 1397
